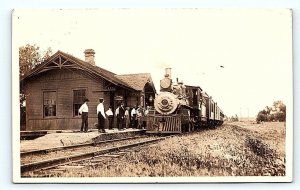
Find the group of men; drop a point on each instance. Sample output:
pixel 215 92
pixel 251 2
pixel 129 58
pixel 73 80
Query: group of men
pixel 125 117
pixel 131 117
pixel 84 110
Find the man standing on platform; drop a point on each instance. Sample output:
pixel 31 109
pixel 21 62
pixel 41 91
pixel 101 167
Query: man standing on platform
pixel 134 118
pixel 101 116
pixel 127 118
pixel 110 116
pixel 117 116
pixel 84 111
pixel 121 116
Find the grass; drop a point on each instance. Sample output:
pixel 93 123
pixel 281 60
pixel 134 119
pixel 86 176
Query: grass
pixel 231 150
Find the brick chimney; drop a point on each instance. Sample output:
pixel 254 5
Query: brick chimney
pixel 90 56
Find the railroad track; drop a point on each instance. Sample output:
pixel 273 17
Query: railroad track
pixel 51 153
pixel 50 163
pixel 45 151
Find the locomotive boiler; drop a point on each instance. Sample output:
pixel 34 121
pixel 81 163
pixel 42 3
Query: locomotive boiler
pixel 181 108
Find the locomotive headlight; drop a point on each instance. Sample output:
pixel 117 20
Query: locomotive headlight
pixel 165 102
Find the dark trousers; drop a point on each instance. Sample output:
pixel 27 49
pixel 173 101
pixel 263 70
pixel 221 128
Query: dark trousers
pixel 118 122
pixel 121 123
pixel 101 122
pixel 134 121
pixel 85 121
pixel 110 121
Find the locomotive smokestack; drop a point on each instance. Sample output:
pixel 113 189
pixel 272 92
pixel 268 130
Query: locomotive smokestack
pixel 168 72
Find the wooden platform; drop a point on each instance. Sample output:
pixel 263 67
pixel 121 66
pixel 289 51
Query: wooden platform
pixel 53 139
pixel 32 134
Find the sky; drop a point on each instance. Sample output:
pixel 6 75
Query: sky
pixel 253 46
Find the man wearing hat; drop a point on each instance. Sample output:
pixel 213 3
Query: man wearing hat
pixel 101 115
pixel 121 116
pixel 84 111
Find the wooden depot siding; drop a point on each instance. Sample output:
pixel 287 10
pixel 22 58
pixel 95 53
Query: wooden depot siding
pixel 63 81
pixel 63 73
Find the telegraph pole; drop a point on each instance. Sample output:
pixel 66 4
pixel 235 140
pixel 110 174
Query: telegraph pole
pixel 248 113
pixel 240 113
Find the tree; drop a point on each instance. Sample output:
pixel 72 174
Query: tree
pixel 29 57
pixel 281 110
pixel 267 110
pixel 279 105
pixel 275 113
pixel 262 116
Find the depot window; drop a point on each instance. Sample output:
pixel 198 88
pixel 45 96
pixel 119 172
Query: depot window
pixel 78 100
pixel 49 105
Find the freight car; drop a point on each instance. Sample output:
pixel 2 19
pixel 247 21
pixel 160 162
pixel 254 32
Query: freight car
pixel 181 108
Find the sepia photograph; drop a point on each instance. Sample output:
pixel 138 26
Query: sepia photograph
pixel 152 95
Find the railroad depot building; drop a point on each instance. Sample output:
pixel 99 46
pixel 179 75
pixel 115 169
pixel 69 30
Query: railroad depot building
pixel 56 88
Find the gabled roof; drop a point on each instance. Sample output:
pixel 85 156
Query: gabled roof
pixel 137 81
pixel 98 71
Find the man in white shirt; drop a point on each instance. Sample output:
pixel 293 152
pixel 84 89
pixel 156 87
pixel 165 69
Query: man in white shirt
pixel 127 118
pixel 134 117
pixel 110 116
pixel 117 116
pixel 84 111
pixel 101 116
pixel 147 110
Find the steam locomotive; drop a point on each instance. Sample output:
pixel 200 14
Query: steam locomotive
pixel 181 108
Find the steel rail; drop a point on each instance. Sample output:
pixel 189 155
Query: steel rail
pixel 45 151
pixel 54 162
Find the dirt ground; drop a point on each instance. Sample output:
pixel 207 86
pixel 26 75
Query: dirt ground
pixel 233 149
